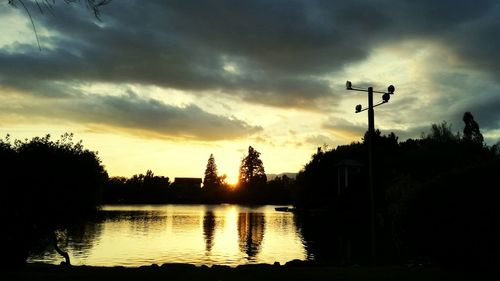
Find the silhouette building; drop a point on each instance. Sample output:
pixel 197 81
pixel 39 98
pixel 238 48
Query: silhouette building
pixel 186 189
pixel 187 183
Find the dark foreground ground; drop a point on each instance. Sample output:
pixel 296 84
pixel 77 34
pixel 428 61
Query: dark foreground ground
pixel 251 272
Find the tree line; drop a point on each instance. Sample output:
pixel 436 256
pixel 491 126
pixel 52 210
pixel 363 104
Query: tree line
pixel 436 199
pixel 50 185
pixel 252 187
pixel 435 196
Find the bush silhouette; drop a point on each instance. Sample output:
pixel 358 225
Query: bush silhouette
pixel 46 185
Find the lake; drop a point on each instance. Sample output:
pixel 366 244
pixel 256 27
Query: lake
pixel 197 234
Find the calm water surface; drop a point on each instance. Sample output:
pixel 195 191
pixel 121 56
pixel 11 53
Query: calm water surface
pixel 196 234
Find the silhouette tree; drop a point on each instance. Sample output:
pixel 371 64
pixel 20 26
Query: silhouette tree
pixel 442 133
pixel 47 185
pixel 472 134
pixel 279 190
pixel 140 188
pixel 434 198
pixel 223 181
pixel 211 179
pixel 495 149
pixel 252 171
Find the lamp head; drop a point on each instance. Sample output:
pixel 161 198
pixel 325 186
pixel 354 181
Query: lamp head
pixel 348 85
pixel 358 108
pixel 386 97
pixel 391 89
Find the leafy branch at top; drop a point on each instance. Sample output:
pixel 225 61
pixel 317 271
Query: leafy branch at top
pixel 47 5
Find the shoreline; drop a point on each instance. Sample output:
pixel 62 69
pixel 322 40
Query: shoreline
pixel 290 271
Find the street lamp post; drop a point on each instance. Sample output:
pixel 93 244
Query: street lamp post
pixel 371 133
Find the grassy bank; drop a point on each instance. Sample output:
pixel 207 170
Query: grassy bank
pixel 241 273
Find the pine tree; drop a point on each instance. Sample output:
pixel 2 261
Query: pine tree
pixel 472 133
pixel 211 179
pixel 252 169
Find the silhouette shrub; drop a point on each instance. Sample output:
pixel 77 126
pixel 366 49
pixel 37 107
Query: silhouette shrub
pixel 46 186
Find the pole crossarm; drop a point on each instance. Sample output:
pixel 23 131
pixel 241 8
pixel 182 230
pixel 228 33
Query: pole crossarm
pixel 375 105
pixel 390 89
pixel 385 97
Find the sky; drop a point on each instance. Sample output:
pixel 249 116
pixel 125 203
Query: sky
pixel 161 85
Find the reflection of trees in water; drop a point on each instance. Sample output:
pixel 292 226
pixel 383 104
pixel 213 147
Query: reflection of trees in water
pixel 139 221
pixel 77 239
pixel 250 232
pixel 182 223
pixel 83 237
pixel 329 238
pixel 281 223
pixel 209 230
pixel 317 236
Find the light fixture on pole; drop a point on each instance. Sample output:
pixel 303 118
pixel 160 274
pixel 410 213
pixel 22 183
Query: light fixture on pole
pixel 386 96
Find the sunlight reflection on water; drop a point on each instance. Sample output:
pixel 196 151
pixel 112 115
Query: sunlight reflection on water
pixel 197 234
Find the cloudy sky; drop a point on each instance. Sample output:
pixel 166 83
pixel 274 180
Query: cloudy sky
pixel 163 84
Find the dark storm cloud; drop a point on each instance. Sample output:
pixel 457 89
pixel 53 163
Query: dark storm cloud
pixel 280 49
pixel 347 128
pixel 153 116
pixel 344 127
pixel 470 92
pixel 137 115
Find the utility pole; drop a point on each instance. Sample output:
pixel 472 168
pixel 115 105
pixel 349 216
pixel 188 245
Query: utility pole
pixel 371 135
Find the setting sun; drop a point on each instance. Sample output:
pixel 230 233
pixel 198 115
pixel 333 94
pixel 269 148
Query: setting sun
pixel 232 181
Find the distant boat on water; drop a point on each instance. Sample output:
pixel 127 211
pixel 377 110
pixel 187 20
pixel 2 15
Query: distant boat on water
pixel 284 209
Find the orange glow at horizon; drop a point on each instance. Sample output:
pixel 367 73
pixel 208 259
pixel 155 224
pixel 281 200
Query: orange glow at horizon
pixel 232 181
